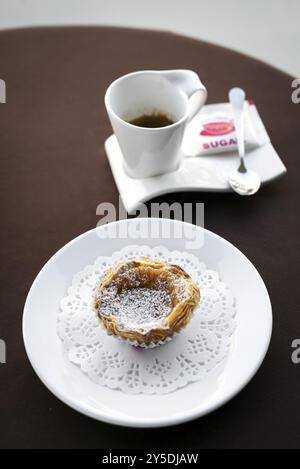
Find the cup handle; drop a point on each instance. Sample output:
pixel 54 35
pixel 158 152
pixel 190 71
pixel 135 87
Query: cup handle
pixel 189 82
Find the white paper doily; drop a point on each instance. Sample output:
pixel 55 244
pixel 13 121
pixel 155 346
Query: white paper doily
pixel 188 357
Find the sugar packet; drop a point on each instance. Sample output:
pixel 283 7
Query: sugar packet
pixel 212 130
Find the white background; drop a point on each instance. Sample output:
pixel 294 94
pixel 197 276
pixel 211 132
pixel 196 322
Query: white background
pixel 266 29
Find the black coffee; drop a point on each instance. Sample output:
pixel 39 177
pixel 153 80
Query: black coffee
pixel 153 120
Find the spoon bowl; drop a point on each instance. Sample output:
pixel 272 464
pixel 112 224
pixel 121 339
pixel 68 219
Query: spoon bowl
pixel 247 183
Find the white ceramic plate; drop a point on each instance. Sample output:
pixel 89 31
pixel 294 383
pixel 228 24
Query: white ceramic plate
pixel 196 173
pixel 68 383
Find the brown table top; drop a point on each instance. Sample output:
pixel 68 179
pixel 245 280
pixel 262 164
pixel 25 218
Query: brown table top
pixel 53 175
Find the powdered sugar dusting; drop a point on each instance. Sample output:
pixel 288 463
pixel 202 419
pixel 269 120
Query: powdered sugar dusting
pixel 137 307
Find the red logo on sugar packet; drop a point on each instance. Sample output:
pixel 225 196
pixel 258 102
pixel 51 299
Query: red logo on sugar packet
pixel 223 127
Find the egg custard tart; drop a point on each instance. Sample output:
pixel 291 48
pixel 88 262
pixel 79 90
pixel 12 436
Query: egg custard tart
pixel 145 301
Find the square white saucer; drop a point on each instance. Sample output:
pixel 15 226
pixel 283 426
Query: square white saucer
pixel 199 173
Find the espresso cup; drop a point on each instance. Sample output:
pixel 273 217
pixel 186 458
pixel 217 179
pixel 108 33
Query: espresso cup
pixel 153 151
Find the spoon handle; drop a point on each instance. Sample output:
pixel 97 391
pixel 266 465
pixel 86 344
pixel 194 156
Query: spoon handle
pixel 237 100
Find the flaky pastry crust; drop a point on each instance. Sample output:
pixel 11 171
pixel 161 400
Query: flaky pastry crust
pixel 184 293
